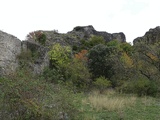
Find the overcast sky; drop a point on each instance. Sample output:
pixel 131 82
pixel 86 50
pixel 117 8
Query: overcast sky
pixel 133 17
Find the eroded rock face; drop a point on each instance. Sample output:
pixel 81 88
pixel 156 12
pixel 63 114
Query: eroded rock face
pixel 150 37
pixel 10 47
pixel 87 31
pixel 41 59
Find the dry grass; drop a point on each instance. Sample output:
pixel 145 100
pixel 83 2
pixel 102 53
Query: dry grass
pixel 109 102
pixel 147 101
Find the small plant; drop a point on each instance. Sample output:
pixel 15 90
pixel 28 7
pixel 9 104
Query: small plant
pixel 38 36
pixel 25 57
pixel 102 83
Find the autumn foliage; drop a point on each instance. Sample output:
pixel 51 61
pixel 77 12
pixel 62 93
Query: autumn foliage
pixel 38 36
pixel 82 55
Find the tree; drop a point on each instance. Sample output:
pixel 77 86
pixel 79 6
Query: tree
pixel 110 61
pixel 97 61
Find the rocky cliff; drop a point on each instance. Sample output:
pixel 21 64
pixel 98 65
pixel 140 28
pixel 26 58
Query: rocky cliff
pixel 78 33
pixel 11 47
pixel 87 31
pixel 152 36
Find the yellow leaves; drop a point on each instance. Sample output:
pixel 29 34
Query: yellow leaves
pixel 126 60
pixel 151 56
pixel 60 54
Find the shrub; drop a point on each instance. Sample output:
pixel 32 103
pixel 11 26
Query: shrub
pixel 82 56
pixel 38 36
pixel 102 83
pixel 95 40
pixel 21 97
pixel 142 86
pixel 24 97
pixel 59 55
pixel 114 43
pixel 77 75
pixel 53 75
pixel 153 89
pixel 25 57
pixel 126 47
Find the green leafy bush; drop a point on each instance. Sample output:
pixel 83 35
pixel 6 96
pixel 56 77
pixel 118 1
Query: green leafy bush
pixel 77 75
pixel 20 97
pixel 60 55
pixel 24 97
pixel 42 39
pixel 142 86
pixel 53 75
pixel 102 83
pixel 95 40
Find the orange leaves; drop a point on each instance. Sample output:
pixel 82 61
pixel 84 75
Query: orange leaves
pixel 82 55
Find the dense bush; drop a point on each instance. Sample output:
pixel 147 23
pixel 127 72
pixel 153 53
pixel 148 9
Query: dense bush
pixel 60 55
pixel 102 83
pixel 24 97
pixel 141 86
pixel 20 97
pixel 53 75
pixel 77 75
pixel 95 40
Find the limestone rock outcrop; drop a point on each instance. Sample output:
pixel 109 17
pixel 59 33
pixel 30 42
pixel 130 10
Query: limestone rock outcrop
pixel 150 37
pixel 10 47
pixel 41 59
pixel 87 31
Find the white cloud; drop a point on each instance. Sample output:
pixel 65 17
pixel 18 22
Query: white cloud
pixel 133 17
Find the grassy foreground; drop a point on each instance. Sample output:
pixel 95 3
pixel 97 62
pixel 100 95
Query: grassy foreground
pixel 113 106
pixel 23 97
